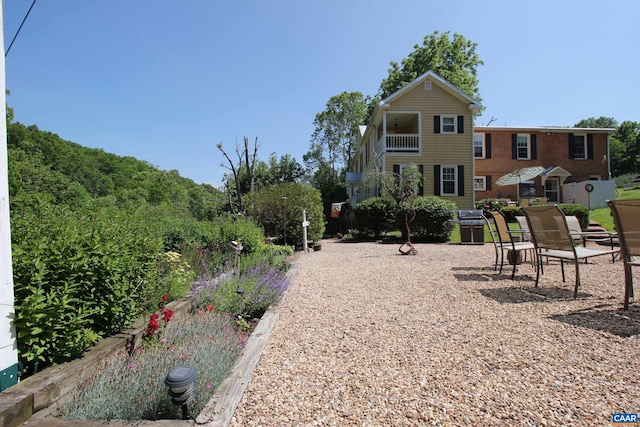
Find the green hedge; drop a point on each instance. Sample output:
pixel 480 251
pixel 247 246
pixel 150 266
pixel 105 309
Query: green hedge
pixel 433 220
pixel 78 277
pixel 375 216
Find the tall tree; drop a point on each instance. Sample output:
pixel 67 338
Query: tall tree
pixel 452 58
pixel 334 139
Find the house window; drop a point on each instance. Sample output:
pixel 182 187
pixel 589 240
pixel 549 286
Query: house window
pixel 449 180
pixel 480 183
pixel 448 124
pixel 580 147
pixel 523 147
pixel 478 146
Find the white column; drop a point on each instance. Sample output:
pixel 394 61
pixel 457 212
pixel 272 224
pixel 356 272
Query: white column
pixel 8 347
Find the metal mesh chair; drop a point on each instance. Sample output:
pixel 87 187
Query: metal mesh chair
pixel 552 239
pixel 625 217
pixel 507 243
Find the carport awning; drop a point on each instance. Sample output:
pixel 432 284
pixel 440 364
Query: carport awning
pixel 555 172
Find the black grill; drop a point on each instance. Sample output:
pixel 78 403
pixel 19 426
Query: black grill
pixel 471 226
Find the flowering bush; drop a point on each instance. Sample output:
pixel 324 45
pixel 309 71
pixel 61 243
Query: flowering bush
pixel 132 387
pixel 153 327
pixel 249 297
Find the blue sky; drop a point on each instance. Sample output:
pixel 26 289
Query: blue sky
pixel 165 81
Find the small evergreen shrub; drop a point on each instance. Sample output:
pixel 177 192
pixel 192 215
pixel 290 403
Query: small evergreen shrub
pixel 375 216
pixel 578 210
pixel 433 220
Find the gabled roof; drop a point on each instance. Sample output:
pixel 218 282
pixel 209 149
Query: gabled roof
pixel 430 75
pixel 441 82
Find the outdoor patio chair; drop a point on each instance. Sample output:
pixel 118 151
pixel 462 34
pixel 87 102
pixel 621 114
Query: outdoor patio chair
pixel 507 242
pixel 522 222
pixel 625 217
pixel 552 239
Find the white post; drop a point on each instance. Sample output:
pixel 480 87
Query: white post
pixel 8 346
pixel 305 224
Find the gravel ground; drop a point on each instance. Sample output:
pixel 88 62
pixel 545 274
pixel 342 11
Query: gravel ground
pixel 369 337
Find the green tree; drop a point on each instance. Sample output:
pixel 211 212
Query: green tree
pixel 334 138
pixel 452 58
pixel 600 122
pixel 625 149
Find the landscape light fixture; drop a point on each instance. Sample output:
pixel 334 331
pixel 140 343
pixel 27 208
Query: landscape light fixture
pixel 182 386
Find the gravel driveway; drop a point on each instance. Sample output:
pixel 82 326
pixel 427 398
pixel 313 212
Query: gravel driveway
pixel 369 337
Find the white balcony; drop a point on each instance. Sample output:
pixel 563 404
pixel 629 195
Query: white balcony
pixel 401 143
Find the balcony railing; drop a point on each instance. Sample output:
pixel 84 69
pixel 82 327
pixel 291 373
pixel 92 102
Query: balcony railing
pixel 403 143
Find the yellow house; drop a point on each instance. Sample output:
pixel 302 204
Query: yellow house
pixel 428 122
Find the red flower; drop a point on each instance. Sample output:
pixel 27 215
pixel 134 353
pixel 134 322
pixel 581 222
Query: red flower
pixel 210 307
pixel 165 297
pixel 167 314
pixel 152 326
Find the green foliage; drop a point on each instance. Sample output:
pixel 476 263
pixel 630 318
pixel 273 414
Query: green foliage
pixel 578 210
pixel 335 136
pixel 433 217
pixel 178 232
pixel 510 213
pixel 278 209
pixel 244 230
pixel 42 162
pixel 625 148
pixel 82 274
pixel 375 215
pixel 490 204
pixel 452 58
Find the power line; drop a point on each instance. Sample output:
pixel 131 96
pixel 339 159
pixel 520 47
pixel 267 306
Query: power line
pixel 19 28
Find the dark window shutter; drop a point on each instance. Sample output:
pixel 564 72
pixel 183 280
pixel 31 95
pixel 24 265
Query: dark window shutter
pixel 460 124
pixel 534 147
pixel 436 124
pixel 436 180
pixel 571 146
pixel 488 182
pixel 460 180
pixel 421 183
pixel 514 145
pixel 487 146
pixel 590 146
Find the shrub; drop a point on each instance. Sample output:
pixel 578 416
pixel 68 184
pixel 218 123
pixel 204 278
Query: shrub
pixel 578 210
pixel 278 210
pixel 178 232
pixel 375 215
pixel 510 213
pixel 488 205
pixel 77 277
pixel 246 295
pixel 433 220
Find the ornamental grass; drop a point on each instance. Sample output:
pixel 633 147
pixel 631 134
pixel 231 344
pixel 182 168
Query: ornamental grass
pixel 131 386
